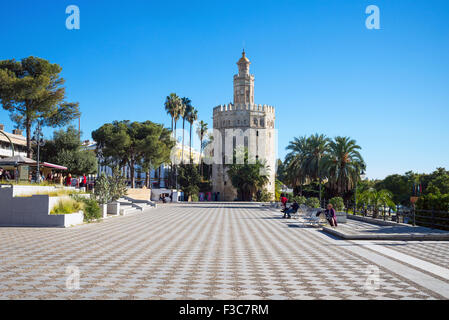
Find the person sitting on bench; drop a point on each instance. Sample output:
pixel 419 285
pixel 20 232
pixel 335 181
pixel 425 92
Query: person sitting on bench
pixel 331 217
pixel 293 209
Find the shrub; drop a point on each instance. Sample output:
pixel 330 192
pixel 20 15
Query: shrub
pixel 90 207
pixel 313 202
pixel 117 184
pixel 195 197
pixel 300 199
pixel 102 190
pixel 337 203
pixel 265 196
pixel 92 210
pixel 67 206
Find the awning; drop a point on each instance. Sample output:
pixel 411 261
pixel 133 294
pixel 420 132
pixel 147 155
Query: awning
pixel 51 165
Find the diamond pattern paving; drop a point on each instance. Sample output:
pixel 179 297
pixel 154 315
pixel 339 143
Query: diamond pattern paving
pixel 193 251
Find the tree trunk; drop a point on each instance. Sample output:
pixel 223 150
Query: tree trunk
pixel 160 178
pixel 190 143
pixel 182 151
pixel 201 157
pixel 131 169
pixel 28 133
pixel 147 179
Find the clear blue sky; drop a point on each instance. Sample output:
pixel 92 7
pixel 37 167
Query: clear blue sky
pixel 315 61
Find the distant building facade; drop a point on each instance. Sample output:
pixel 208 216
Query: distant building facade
pixel 17 139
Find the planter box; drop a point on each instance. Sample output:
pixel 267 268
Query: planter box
pixel 114 208
pixel 104 210
pixel 33 211
pixel 341 217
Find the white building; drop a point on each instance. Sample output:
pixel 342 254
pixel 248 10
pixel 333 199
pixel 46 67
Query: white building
pixel 17 139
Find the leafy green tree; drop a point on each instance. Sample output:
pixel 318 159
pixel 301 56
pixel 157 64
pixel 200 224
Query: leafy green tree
pixel 201 131
pixel 32 90
pixel 65 149
pixel 117 184
pixel 249 177
pixel 399 185
pixel 156 150
pixel 189 179
pixel 313 202
pixel 130 143
pixel 337 203
pixel 102 189
pixel 375 199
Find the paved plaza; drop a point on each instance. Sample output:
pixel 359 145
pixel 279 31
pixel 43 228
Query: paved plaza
pixel 215 251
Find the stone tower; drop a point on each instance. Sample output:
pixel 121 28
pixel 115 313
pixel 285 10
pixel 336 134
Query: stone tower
pixel 243 123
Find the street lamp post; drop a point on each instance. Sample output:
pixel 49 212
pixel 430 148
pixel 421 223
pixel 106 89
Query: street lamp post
pixel 38 139
pixel 362 176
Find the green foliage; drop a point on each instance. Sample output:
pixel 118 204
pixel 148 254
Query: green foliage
pixel 102 190
pixel 90 207
pixel 300 199
pixel 337 203
pixel 277 190
pixel 65 149
pixel 205 186
pixel 264 196
pixel 399 185
pixel 189 179
pixel 434 201
pixel 117 185
pixel 67 206
pixel 131 143
pixel 91 210
pixel 313 202
pixel 32 90
pixel 316 158
pixel 248 177
pixel 434 186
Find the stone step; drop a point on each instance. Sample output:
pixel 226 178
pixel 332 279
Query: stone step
pixel 127 210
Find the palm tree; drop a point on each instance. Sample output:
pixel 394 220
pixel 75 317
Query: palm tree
pixel 201 131
pixel 342 164
pixel 317 147
pixel 294 162
pixel 376 198
pixel 172 108
pixel 247 178
pixel 192 117
pixel 185 110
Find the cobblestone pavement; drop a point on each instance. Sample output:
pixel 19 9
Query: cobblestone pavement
pixel 213 251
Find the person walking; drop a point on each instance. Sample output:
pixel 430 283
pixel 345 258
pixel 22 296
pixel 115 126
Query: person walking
pixel 68 180
pixel 284 202
pixel 84 181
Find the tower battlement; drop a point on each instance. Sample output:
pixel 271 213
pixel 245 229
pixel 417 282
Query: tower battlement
pixel 242 107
